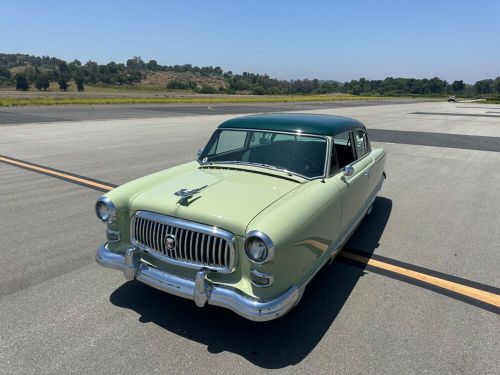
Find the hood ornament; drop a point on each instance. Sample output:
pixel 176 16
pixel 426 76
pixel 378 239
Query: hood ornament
pixel 186 194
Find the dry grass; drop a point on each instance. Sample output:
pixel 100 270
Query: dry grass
pixel 7 101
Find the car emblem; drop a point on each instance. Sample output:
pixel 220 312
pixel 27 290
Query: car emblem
pixel 185 194
pixel 170 242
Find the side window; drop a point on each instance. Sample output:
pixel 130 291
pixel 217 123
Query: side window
pixel 230 140
pixel 285 137
pixel 344 149
pixel 334 165
pixel 259 138
pixel 361 141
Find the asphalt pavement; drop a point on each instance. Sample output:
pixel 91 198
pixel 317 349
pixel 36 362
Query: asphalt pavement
pixel 48 114
pixel 438 214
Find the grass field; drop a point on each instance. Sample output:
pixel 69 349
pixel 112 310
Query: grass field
pixel 7 101
pixel 492 101
pixel 155 94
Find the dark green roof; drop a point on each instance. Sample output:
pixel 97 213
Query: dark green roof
pixel 295 122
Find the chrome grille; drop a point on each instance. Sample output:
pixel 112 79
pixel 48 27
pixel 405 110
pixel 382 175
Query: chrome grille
pixel 196 245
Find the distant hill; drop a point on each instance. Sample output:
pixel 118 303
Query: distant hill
pixel 28 72
pixel 134 72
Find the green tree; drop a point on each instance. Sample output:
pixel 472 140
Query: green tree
pixel 179 85
pixel 496 85
pixel 356 90
pixel 208 90
pixel 436 85
pixel 91 68
pixel 458 86
pixel 135 63
pixel 42 82
pixel 63 84
pixel 4 76
pixel 218 71
pixel 112 67
pixel 79 84
pixel 4 72
pixel 21 82
pixel 152 65
pixel 63 69
pixel 484 86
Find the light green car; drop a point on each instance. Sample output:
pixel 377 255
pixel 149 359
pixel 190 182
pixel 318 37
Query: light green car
pixel 270 200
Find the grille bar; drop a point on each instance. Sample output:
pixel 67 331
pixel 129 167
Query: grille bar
pixel 195 245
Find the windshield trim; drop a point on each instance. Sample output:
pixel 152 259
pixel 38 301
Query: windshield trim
pixel 326 162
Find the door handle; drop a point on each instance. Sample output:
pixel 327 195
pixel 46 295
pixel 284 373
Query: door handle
pixel 367 173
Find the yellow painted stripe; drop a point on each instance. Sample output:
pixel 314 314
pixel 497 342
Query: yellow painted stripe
pixel 480 295
pixel 54 173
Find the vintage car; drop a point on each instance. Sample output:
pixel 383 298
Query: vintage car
pixel 269 200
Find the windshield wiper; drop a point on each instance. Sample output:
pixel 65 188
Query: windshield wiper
pixel 220 162
pixel 269 166
pixel 263 165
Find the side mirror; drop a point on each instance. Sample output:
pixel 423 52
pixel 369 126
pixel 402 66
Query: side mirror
pixel 348 171
pixel 198 154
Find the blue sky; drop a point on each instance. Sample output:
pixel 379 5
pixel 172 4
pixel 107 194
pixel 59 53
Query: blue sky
pixel 339 40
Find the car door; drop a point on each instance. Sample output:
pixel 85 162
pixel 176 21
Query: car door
pixel 375 172
pixel 355 188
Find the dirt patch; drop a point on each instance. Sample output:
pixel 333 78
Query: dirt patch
pixel 162 78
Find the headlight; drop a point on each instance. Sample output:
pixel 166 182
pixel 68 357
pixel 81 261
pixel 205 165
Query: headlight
pixel 259 247
pixel 105 210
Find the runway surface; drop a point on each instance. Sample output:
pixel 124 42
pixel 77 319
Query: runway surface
pixel 413 292
pixel 47 114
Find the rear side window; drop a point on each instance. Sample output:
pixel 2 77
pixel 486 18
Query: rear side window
pixel 260 138
pixel 361 141
pixel 344 150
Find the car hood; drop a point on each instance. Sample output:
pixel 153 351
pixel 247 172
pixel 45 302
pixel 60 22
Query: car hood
pixel 230 200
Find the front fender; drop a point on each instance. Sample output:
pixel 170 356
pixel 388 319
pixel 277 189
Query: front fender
pixel 302 226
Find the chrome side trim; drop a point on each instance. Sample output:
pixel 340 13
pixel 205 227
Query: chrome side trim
pixel 181 233
pixel 328 161
pixel 200 290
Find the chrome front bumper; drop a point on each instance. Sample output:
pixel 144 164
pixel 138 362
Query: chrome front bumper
pixel 200 290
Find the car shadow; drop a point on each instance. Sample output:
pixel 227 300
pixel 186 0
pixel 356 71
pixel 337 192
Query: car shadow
pixel 271 345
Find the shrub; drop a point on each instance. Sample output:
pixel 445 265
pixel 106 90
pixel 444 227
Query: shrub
pixel 21 82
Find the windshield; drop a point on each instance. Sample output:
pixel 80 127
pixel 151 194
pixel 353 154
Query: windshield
pixel 298 154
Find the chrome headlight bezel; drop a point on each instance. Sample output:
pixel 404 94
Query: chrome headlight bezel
pixel 268 255
pixel 111 208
